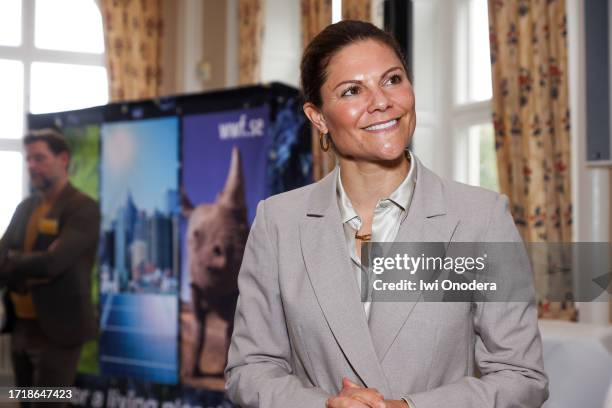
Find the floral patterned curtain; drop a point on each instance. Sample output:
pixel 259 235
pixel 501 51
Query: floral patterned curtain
pixel 251 29
pixel 316 15
pixel 532 128
pixel 357 10
pixel 133 36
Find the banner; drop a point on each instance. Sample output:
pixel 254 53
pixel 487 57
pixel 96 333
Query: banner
pixel 178 180
pixel 84 174
pixel 224 177
pixel 139 256
pixel 101 392
pixel 84 144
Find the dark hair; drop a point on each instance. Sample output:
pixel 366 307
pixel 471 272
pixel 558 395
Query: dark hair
pixel 328 43
pixel 56 142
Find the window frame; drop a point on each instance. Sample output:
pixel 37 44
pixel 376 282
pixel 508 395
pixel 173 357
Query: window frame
pixel 28 53
pixel 464 115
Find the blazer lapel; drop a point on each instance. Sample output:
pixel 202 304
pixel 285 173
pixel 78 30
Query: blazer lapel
pixel 60 202
pixel 427 221
pixel 332 276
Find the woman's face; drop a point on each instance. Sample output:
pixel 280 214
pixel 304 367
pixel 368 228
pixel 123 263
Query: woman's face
pixel 367 103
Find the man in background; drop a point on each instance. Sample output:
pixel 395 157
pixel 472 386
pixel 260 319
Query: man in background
pixel 46 258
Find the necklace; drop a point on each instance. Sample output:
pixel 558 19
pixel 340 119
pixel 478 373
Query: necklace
pixel 364 237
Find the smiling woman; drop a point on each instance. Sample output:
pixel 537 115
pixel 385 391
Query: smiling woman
pixel 302 336
pixel 370 116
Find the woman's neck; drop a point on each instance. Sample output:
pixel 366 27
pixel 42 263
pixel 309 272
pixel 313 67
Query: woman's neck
pixel 366 183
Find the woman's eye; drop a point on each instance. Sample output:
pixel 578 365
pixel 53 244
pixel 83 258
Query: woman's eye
pixel 353 90
pixel 395 79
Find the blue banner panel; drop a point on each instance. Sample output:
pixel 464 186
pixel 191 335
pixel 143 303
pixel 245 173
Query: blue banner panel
pixel 139 249
pixel 224 177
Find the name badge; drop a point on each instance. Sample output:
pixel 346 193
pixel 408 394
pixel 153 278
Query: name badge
pixel 48 226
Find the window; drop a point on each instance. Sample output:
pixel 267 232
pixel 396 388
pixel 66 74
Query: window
pixel 473 70
pixel 10 16
pixel 51 15
pixel 475 154
pixel 477 164
pixel 72 87
pixel 11 98
pixel 10 164
pixel 51 59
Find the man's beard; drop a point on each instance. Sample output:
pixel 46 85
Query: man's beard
pixel 41 183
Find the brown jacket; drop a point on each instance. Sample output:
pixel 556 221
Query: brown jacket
pixel 62 292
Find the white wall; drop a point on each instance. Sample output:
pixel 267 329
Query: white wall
pixel 232 43
pixel 433 78
pixel 282 46
pixel 590 185
pixel 189 45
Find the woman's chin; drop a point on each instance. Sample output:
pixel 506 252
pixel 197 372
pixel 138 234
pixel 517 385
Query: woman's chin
pixel 386 158
pixel 390 152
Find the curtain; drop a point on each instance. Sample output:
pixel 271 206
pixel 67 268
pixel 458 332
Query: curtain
pixel 250 35
pixel 532 131
pixel 315 16
pixel 356 10
pixel 133 36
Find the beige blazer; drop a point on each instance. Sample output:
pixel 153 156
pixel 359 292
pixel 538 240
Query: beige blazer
pixel 300 326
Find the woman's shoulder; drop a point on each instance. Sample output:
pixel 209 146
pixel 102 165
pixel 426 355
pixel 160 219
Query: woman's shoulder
pixel 473 204
pixel 289 204
pixel 466 195
pixel 482 213
pixel 454 196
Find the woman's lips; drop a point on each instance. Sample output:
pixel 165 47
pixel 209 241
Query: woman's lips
pixel 383 127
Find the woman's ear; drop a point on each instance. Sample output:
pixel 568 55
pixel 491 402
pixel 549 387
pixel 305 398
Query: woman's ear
pixel 315 116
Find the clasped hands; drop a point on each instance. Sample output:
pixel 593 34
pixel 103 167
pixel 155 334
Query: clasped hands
pixel 355 396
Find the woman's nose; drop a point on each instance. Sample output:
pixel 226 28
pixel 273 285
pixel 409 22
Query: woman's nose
pixel 378 101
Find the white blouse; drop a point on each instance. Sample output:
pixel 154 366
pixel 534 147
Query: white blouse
pixel 388 215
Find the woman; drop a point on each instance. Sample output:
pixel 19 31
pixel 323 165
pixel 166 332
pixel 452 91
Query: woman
pixel 302 337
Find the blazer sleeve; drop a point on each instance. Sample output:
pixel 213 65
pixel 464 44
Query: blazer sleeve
pixel 79 234
pixel 5 243
pixel 508 347
pixel 258 372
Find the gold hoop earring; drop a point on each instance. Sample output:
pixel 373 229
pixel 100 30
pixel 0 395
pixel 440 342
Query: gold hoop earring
pixel 324 144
